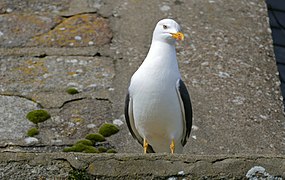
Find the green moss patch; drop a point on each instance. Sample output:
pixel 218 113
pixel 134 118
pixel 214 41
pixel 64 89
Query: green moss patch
pixel 102 149
pixel 75 148
pixel 78 175
pixel 85 142
pixel 32 132
pixel 111 151
pixel 72 91
pixel 90 149
pixel 95 137
pixel 38 116
pixel 81 148
pixel 108 129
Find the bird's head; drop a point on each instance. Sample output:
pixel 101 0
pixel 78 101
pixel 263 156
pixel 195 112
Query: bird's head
pixel 167 30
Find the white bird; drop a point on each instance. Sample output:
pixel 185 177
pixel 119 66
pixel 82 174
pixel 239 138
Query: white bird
pixel 158 108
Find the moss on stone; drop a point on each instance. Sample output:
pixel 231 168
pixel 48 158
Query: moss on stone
pixel 68 149
pixel 108 129
pixel 75 148
pixel 111 151
pixel 90 149
pixel 85 142
pixel 72 91
pixel 78 175
pixel 102 149
pixel 81 147
pixel 95 137
pixel 32 132
pixel 38 116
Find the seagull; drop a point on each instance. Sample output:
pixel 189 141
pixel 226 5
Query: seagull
pixel 158 108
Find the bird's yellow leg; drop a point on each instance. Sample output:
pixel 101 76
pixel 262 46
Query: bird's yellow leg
pixel 145 145
pixel 172 146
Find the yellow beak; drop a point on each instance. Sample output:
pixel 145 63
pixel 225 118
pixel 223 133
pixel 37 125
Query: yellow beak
pixel 178 36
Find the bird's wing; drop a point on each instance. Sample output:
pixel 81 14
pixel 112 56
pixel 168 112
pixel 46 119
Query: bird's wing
pixel 186 108
pixel 130 122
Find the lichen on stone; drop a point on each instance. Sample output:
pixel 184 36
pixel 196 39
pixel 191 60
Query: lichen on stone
pixel 95 137
pixel 38 116
pixel 76 31
pixel 72 91
pixel 32 132
pixel 108 129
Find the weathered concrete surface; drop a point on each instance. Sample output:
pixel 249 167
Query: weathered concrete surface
pixel 78 30
pixel 135 166
pixel 226 62
pixel 17 125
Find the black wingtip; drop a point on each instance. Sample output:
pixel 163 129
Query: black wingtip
pixel 149 149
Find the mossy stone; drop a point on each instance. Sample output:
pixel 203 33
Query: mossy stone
pixel 68 149
pixel 38 116
pixel 75 148
pixel 111 151
pixel 102 149
pixel 107 129
pixel 32 132
pixel 78 175
pixel 83 145
pixel 79 147
pixel 90 149
pixel 72 91
pixel 95 137
pixel 85 142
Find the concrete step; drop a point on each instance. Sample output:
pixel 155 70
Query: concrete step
pixel 139 166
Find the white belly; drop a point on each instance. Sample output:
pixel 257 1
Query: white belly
pixel 158 117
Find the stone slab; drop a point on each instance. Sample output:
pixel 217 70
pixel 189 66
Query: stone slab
pixel 51 30
pixel 138 166
pixel 45 80
pixel 13 122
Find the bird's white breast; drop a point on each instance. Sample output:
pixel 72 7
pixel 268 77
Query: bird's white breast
pixel 156 107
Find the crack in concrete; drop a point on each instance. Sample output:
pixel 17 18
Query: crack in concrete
pixel 24 97
pixel 69 101
pixel 54 51
pixel 218 160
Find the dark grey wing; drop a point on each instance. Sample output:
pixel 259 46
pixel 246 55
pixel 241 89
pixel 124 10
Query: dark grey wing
pixel 130 122
pixel 186 106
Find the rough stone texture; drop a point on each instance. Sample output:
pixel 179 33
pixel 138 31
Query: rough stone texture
pixel 135 166
pixel 33 6
pixel 17 29
pixel 226 62
pixel 78 30
pixel 75 120
pixel 46 79
pixel 13 122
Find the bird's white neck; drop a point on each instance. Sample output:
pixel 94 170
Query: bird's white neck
pixel 160 62
pixel 162 54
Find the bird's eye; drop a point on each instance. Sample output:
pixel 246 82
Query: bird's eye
pixel 164 27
